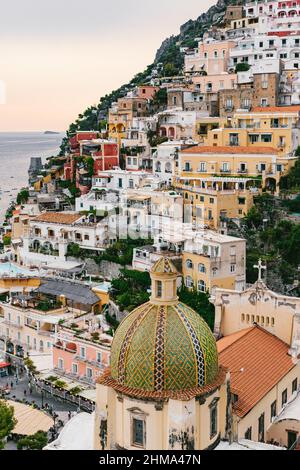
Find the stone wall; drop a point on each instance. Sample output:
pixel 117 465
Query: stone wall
pixel 111 270
pixel 105 269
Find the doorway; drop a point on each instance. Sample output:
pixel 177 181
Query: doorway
pixel 292 438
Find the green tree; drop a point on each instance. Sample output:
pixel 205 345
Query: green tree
pixel 30 365
pixel 23 196
pixel 160 98
pixel 90 166
pixel 131 289
pixel 291 181
pixel 170 70
pixel 242 67
pixel 74 250
pixel 292 246
pixel 7 421
pixel 35 442
pixel 6 240
pixel 198 301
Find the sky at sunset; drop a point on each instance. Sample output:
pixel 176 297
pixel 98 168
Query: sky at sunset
pixel 58 57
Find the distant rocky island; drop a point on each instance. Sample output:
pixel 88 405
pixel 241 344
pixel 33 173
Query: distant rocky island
pixel 51 132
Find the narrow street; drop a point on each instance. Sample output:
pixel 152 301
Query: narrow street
pixel 22 391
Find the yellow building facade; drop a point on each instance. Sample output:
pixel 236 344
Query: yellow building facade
pixel 277 128
pixel 263 165
pixel 218 200
pixel 212 260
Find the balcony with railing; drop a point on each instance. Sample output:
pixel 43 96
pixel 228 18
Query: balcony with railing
pixel 233 143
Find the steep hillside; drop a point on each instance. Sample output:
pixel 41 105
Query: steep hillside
pixel 168 62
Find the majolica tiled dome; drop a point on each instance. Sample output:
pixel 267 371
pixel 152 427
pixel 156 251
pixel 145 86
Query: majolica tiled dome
pixel 159 348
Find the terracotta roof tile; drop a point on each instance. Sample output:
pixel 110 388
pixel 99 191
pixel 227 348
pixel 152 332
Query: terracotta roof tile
pixel 276 109
pixel 230 150
pixel 229 340
pixel 264 359
pixel 65 218
pixel 184 395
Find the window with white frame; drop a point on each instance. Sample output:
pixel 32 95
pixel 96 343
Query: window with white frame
pixel 189 264
pixel 82 352
pixel 74 369
pixel 201 286
pixel 99 357
pixel 202 167
pixel 201 268
pixel 189 282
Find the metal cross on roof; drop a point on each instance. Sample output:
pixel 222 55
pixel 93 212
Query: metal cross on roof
pixel 260 268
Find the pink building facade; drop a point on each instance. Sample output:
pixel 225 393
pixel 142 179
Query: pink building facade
pixel 146 92
pixel 215 83
pixel 211 57
pixel 82 360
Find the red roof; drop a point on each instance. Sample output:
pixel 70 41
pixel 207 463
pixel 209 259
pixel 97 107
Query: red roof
pixel 4 364
pixel 229 150
pixel 276 109
pixel 258 361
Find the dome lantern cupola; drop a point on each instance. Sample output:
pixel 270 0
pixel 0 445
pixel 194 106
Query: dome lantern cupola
pixel 164 283
pixel 163 347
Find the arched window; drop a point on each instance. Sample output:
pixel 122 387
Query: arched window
pixel 189 264
pixel 171 132
pixel 201 268
pixel 215 272
pixel 201 286
pixel 189 282
pixel 174 100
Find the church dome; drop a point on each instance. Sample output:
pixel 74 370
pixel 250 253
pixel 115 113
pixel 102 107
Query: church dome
pixel 163 346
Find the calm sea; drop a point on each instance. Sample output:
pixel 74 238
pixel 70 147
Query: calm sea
pixel 15 152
